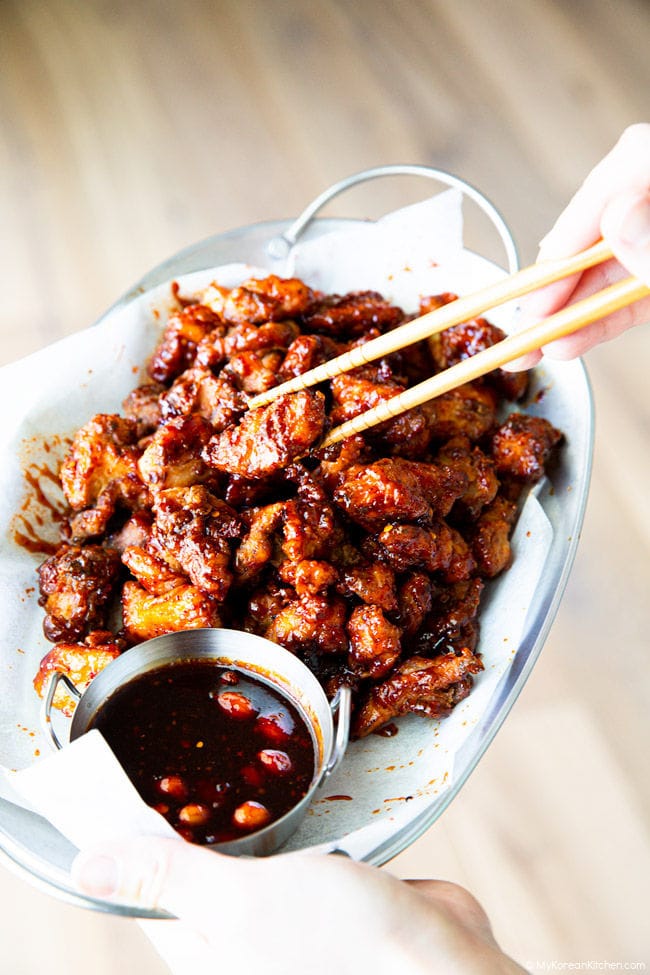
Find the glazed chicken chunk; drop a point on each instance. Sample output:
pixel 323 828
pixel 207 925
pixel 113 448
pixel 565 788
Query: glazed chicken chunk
pixel 268 439
pixel 76 585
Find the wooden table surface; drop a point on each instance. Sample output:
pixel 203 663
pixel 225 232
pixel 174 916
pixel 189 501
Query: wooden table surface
pixel 130 130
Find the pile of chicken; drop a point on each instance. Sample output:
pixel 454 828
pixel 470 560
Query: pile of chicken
pixel 365 559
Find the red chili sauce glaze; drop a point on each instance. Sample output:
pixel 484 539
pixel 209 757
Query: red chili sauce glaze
pixel 218 752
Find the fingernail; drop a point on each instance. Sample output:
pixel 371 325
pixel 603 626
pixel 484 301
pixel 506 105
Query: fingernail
pixel 96 874
pixel 634 226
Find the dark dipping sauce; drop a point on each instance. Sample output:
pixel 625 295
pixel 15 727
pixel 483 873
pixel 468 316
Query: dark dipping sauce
pixel 217 751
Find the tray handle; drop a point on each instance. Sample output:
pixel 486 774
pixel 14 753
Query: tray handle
pixel 47 724
pixel 280 247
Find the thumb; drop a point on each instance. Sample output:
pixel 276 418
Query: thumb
pixel 155 874
pixel 625 224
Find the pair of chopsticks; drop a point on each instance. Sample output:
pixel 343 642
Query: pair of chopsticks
pixel 564 322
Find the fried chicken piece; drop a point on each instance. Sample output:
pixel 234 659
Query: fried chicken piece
pixel 374 642
pixel 197 390
pixel 462 564
pixel 338 458
pixel 93 522
pixel 468 410
pixel 310 530
pixel 306 352
pixel 433 302
pixel 464 340
pixel 405 547
pixel 258 546
pixel 191 533
pixel 254 372
pixel 76 585
pixel 103 453
pixel 522 445
pixel 452 623
pixel 172 458
pixel 142 405
pixel 265 605
pixel 407 435
pixel 311 623
pixel 308 577
pixel 176 351
pixel 267 299
pixel 80 663
pixel 151 572
pixel 359 390
pixel 222 343
pixel 134 532
pixel 185 607
pixel 351 314
pixel 269 438
pixel 482 483
pixel 372 582
pixel 414 598
pixel 393 489
pixel 491 537
pixel 419 686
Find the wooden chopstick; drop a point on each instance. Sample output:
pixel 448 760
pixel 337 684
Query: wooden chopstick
pixel 562 323
pixel 461 310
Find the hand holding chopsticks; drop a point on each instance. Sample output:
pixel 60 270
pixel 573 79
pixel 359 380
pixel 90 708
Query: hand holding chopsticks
pixel 564 322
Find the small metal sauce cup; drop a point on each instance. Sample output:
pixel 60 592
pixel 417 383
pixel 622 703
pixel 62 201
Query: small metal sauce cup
pixel 329 723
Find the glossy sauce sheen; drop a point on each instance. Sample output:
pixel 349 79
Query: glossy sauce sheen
pixel 215 750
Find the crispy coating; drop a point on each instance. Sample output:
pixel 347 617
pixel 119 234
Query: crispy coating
pixel 337 459
pixel 76 584
pixel 176 351
pixel 452 620
pixel 152 573
pixel 407 435
pixel 146 615
pixel 371 582
pixel 405 547
pixel 482 483
pixel 142 405
pixel 306 352
pixel 360 390
pixel 310 530
pixel 522 445
pixel 421 686
pixel 374 642
pixel 172 458
pixel 259 545
pixel 192 533
pixel 393 489
pixel 462 341
pixel 197 390
pixel 414 598
pixel 351 315
pixel 469 410
pixel 267 300
pixel 311 623
pixel 222 343
pixel 103 454
pixel 309 577
pixel 80 663
pixel 491 537
pixel 254 372
pixel 268 439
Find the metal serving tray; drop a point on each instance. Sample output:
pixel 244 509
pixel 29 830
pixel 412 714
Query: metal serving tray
pixel 34 849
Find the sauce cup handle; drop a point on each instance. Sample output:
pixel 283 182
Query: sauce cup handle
pixel 46 707
pixel 342 711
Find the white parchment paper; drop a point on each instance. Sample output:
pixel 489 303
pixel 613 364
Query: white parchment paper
pixel 383 783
